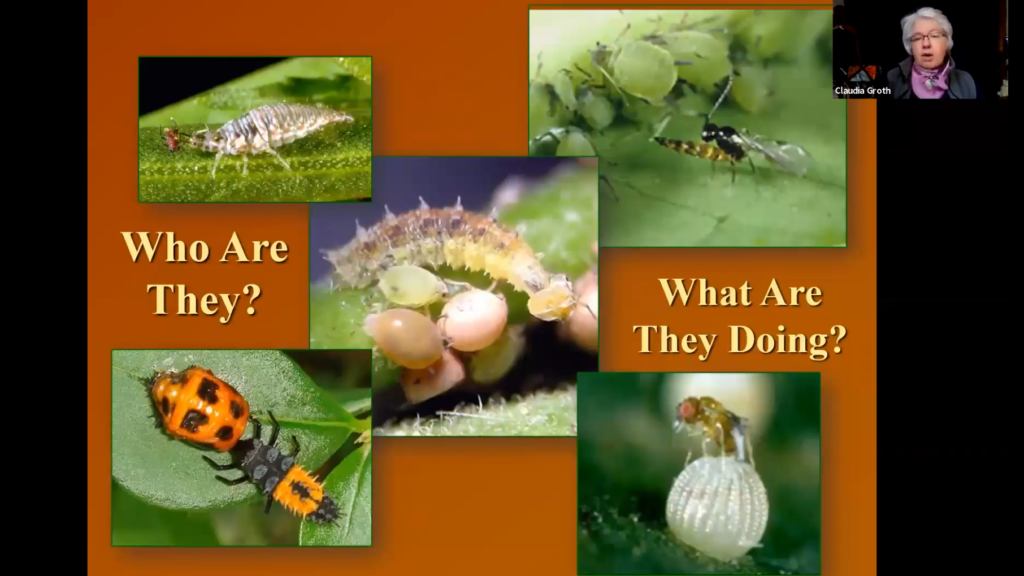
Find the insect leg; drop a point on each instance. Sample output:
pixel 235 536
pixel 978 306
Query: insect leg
pixel 704 445
pixel 733 164
pixel 277 428
pixel 230 481
pixel 752 170
pixel 278 156
pixel 270 500
pixel 245 164
pixel 257 432
pixel 295 442
pixel 221 467
pixel 216 160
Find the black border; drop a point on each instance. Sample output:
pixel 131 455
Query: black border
pixel 945 224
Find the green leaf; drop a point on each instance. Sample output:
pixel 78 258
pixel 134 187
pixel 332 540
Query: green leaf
pixel 136 523
pixel 543 413
pixel 336 318
pixel 351 485
pixel 607 535
pixel 355 400
pixel 171 473
pixel 559 220
pixel 330 165
pixel 358 67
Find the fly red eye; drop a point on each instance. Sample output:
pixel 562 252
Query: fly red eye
pixel 686 410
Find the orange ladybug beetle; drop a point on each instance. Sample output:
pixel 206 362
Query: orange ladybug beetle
pixel 196 406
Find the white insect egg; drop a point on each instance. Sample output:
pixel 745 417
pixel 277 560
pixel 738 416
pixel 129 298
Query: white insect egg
pixel 718 505
pixel 425 383
pixel 473 320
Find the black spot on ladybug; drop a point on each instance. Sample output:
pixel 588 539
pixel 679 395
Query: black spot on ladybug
pixel 208 391
pixel 165 406
pixel 193 420
pixel 225 433
pixel 300 490
pixel 236 409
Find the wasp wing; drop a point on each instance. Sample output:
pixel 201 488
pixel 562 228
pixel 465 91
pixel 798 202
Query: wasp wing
pixel 790 157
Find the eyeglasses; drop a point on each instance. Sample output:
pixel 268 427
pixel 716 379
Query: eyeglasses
pixel 934 36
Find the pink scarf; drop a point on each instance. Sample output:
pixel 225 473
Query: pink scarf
pixel 930 83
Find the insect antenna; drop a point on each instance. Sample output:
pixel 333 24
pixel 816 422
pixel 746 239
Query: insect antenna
pixel 728 85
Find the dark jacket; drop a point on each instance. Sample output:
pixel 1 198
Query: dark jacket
pixel 961 84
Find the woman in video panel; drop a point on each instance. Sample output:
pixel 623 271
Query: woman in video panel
pixel 929 71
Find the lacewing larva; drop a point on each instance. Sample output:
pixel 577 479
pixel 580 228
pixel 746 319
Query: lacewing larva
pixel 264 129
pixel 431 237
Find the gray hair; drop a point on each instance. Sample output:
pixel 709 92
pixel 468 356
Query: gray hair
pixel 932 14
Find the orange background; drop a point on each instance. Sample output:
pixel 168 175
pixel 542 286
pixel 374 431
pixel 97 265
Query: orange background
pixel 441 506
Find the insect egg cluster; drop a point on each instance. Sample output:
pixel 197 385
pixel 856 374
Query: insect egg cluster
pixel 432 352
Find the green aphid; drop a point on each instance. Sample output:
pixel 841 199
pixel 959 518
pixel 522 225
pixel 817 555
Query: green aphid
pixel 411 286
